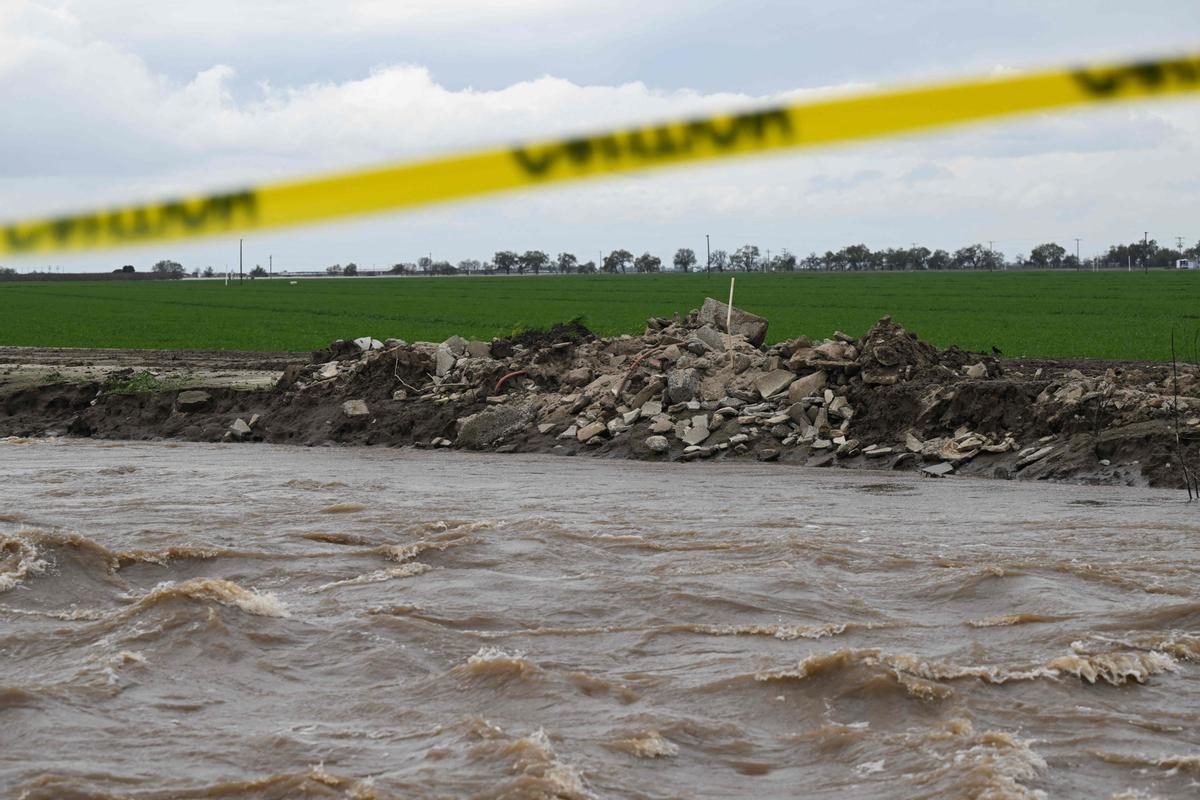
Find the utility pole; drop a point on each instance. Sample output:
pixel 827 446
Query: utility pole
pixel 991 262
pixel 1145 252
pixel 1179 243
pixel 708 251
pixel 239 262
pixel 270 267
pixel 1077 264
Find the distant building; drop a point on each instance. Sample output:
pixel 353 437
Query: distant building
pixel 1185 263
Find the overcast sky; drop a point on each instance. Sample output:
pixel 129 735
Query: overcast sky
pixel 124 100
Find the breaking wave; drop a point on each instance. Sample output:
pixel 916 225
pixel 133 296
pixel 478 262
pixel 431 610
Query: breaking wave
pixel 19 559
pixel 646 744
pixel 217 590
pixel 492 662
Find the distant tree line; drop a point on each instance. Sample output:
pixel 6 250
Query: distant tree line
pixel 750 258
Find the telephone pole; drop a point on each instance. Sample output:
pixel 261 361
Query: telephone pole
pixel 239 262
pixel 1145 252
pixel 1077 264
pixel 270 267
pixel 708 252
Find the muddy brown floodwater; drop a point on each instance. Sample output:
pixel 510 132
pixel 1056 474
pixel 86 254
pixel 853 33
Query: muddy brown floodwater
pixel 192 620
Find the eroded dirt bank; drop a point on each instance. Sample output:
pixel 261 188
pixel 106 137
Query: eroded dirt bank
pixel 686 389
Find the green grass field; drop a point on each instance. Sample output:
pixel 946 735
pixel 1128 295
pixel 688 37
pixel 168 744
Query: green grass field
pixel 1105 315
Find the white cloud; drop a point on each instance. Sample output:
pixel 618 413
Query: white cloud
pixel 94 123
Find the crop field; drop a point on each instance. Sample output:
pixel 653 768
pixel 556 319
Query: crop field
pixel 1105 315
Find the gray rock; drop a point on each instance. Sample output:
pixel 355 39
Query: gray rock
pixel 366 343
pixel 774 382
pixel 193 400
pixel 444 360
pixel 240 428
pixel 1037 455
pixel 711 337
pixel 478 349
pixel 651 408
pixel 695 434
pixel 328 370
pixel 976 371
pixel 457 345
pixel 355 408
pixel 589 432
pixel 752 326
pixel 807 386
pixel 580 376
pixel 938 470
pixel 481 430
pixel 657 444
pixel 682 385
pixel 799 416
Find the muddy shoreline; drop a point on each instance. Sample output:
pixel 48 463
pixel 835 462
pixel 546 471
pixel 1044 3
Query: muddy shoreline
pixel 687 389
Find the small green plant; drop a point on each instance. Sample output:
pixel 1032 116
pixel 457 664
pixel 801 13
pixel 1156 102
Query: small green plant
pixel 138 383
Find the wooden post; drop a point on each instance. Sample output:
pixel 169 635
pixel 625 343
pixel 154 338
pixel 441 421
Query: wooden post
pixel 729 321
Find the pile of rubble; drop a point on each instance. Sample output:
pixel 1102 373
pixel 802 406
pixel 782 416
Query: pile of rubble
pixel 705 387
pixel 701 387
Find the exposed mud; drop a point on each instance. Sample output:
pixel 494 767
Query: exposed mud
pixel 686 389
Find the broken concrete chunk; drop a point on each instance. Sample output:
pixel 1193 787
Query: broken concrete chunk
pixel 444 360
pixel 976 371
pixel 1026 458
pixel 938 470
pixel 682 385
pixel 366 343
pixel 774 382
pixel 657 444
pixel 240 428
pixel 695 434
pixel 589 432
pixel 492 424
pixel 580 376
pixel 355 408
pixel 456 345
pixel 193 400
pixel 752 326
pixel 807 386
pixel 714 339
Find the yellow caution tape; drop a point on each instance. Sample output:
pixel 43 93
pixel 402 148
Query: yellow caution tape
pixel 539 164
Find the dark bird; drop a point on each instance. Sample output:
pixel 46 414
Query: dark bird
pixel 996 351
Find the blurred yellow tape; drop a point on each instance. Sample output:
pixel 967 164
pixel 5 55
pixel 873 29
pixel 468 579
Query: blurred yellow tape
pixel 538 164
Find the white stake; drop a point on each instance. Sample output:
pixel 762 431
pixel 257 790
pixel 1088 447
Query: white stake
pixel 729 321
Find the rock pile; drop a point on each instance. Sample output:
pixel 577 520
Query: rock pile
pixel 689 389
pixel 702 386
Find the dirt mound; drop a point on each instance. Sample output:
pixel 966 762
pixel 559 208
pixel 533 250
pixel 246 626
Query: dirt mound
pixel 686 389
